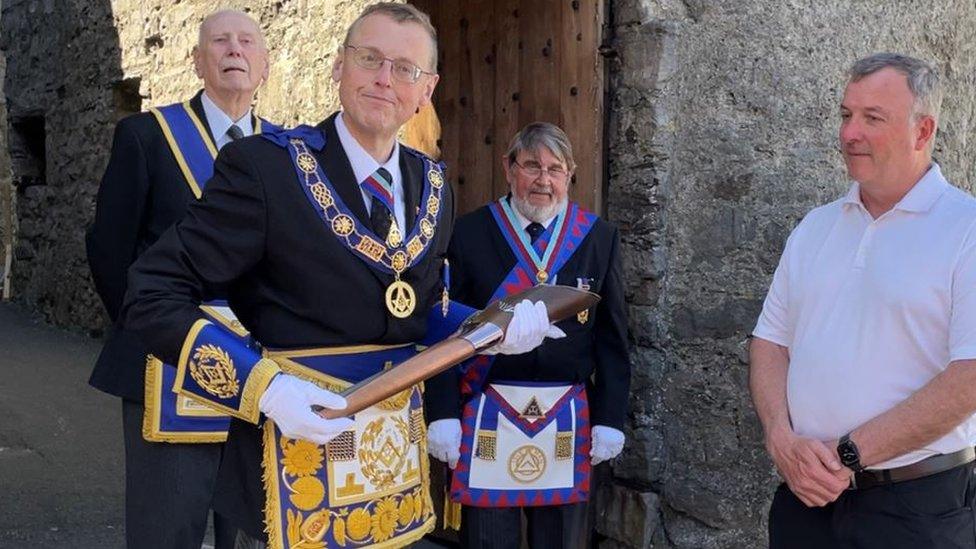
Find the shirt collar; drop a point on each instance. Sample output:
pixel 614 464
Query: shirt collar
pixel 363 164
pixel 925 193
pixel 920 198
pixel 524 222
pixel 219 121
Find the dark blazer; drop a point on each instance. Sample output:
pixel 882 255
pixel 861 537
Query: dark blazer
pixel 287 276
pixel 143 193
pixel 481 258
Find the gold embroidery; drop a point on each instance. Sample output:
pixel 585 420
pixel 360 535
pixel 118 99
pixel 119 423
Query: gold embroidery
pixel 411 473
pixel 394 238
pixel 371 248
pixel 399 262
pixel 564 446
pixel 384 519
pixel 322 195
pixel 342 447
pixel 486 445
pixel 358 524
pixel 343 225
pixel 415 247
pixel 526 464
pixel 416 425
pixel 213 370
pixel 426 228
pixel 351 487
pixel 433 205
pixel 306 493
pixel 301 457
pixel 315 526
pixel 383 451
pixel 306 162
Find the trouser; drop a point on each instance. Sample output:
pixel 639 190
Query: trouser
pixel 934 512
pixel 550 526
pixel 168 490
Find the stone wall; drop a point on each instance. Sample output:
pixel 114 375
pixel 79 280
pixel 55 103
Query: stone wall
pixel 722 134
pixel 77 66
pixel 7 196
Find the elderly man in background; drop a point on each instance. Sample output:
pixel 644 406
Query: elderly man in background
pixel 160 163
pixel 863 362
pixel 517 429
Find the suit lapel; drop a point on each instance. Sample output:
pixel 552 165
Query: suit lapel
pixel 412 170
pixel 337 168
pixel 196 103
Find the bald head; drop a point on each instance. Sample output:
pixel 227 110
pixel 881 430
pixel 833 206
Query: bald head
pixel 235 17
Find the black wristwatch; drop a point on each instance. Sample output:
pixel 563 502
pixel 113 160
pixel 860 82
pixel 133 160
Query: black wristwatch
pixel 849 455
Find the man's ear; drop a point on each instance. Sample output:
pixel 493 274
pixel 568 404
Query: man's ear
pixel 337 66
pixel 196 61
pixel 924 133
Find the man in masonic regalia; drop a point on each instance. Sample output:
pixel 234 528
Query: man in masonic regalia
pixel 517 429
pixel 329 241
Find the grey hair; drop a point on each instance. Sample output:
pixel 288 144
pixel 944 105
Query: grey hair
pixel 922 76
pixel 214 15
pixel 542 134
pixel 401 13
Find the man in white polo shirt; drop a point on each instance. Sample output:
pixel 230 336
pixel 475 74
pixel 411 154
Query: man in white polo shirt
pixel 863 362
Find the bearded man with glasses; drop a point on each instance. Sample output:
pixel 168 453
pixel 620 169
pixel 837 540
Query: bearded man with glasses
pixel 329 242
pixel 516 429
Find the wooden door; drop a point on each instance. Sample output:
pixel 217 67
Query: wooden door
pixel 506 63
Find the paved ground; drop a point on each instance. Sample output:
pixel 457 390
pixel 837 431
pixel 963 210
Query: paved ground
pixel 61 468
pixel 60 444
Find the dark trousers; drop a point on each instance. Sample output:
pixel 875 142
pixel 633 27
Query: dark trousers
pixel 168 490
pixel 551 526
pixel 934 512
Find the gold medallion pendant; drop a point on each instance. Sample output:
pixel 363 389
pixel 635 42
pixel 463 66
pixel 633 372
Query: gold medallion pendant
pixel 542 276
pixel 400 299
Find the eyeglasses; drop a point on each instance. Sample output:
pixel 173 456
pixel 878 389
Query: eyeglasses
pixel 372 59
pixel 533 170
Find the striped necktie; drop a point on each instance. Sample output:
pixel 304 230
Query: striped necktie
pixel 380 187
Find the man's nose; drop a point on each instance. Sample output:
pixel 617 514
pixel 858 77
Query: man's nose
pixel 850 131
pixel 234 47
pixel 384 74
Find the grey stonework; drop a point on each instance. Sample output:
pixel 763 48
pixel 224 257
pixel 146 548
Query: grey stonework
pixel 722 134
pixel 722 122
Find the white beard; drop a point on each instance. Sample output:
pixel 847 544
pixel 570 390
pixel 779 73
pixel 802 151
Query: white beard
pixel 539 214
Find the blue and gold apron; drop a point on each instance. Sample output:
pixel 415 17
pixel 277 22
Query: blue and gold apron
pixel 369 485
pixel 169 417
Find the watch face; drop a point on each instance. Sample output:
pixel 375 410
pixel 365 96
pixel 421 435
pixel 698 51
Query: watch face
pixel 848 455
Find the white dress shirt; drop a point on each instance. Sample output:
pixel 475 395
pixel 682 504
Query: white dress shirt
pixel 872 309
pixel 219 122
pixel 364 165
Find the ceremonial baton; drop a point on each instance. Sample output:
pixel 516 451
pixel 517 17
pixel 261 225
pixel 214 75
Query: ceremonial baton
pixel 479 332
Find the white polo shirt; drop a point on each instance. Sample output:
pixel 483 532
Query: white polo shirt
pixel 872 309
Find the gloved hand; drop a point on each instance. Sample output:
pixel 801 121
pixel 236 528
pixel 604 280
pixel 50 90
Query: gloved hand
pixel 529 326
pixel 444 440
pixel 288 401
pixel 607 443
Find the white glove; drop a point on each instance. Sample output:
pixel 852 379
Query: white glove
pixel 288 401
pixel 529 326
pixel 444 440
pixel 607 443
